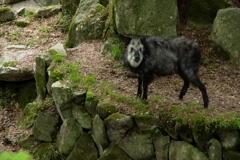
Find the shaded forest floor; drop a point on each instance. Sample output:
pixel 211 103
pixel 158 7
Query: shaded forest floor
pixel 220 78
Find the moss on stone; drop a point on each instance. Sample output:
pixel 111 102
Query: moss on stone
pixel 46 151
pixel 22 23
pixel 30 112
pixel 5 9
pixel 105 109
pixel 10 64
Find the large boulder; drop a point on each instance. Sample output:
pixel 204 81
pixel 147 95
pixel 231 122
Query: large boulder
pixel 87 23
pixel 180 150
pixel 201 13
pixel 17 63
pixel 6 14
pixel 138 146
pixel 226 33
pixel 146 18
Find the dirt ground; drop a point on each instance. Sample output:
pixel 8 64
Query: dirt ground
pixel 220 78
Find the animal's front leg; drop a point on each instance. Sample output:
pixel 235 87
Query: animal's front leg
pixel 145 82
pixel 139 91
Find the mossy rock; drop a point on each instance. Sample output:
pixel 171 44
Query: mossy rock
pixel 82 117
pixel 142 18
pixel 138 146
pixel 49 11
pixel 161 146
pixel 184 132
pixel 84 149
pixel 105 109
pixel 99 134
pixel 46 151
pixel 31 111
pixel 87 24
pixel 226 33
pixel 6 14
pixel 201 13
pixel 180 150
pixel 117 126
pixel 70 131
pixel 91 105
pixel 22 23
pixel 230 139
pixel 146 122
pixel 115 153
pixel 214 150
pixel 45 127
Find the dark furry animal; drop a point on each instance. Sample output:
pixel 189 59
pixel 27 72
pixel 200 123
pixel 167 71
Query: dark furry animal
pixel 164 56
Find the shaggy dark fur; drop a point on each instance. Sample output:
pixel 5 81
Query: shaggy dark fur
pixel 164 56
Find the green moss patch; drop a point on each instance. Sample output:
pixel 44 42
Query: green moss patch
pixel 30 112
pixel 10 64
pixel 5 9
pixel 199 119
pixel 46 151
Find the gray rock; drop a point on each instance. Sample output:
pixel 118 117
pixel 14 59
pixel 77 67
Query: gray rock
pixel 6 14
pixel 161 145
pixel 40 76
pixel 104 109
pixel 57 49
pixel 70 131
pixel 47 2
pixel 231 155
pixel 226 33
pixel 91 105
pixel 230 139
pixel 145 18
pixel 27 5
pixel 214 150
pixel 16 63
pixel 45 127
pixel 146 122
pixel 138 146
pixel 46 12
pixel 63 95
pixel 88 22
pixel 117 125
pixel 201 13
pixel 99 134
pixel 180 150
pixel 82 117
pixel 114 153
pixel 84 149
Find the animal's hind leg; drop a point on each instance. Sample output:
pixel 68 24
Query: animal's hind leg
pixel 184 89
pixel 194 79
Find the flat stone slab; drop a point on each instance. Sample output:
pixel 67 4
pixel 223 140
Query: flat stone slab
pixel 17 63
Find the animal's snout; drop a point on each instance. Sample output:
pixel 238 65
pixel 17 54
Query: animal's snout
pixel 137 57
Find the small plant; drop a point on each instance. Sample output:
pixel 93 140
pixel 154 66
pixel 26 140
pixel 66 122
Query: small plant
pixel 64 22
pixel 44 29
pixel 117 50
pixel 12 156
pixel 29 14
pixel 15 35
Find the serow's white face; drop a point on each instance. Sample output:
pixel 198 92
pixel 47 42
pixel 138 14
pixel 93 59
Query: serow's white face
pixel 135 52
